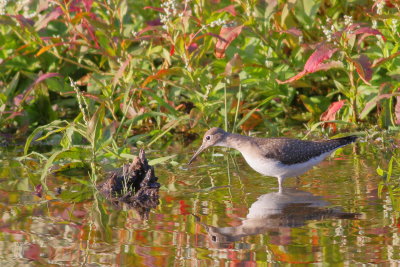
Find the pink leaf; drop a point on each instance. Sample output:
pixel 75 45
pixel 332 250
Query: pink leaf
pixel 46 76
pixel 366 31
pixel 228 34
pixel 330 113
pixel 155 22
pixel 32 252
pixel 230 9
pixel 329 65
pixel 88 4
pixel 192 47
pixel 23 22
pixel 380 61
pixel 159 9
pixel 397 110
pixel 233 65
pixel 38 80
pixel 49 17
pixel 146 29
pixel 371 104
pixel 39 190
pixel 216 36
pixel 121 70
pixel 294 31
pixel 320 55
pixel 363 68
pixel 294 78
pixel 315 63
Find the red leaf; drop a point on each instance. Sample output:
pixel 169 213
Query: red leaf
pixel 294 31
pixel 329 65
pixel 159 9
pixel 23 22
pixel 380 61
pixel 13 114
pixel 49 17
pixel 192 47
pixel 183 207
pixel 397 109
pixel 368 31
pixel 155 22
pixel 254 120
pixel 330 113
pixel 32 252
pixel 39 190
pixel 88 4
pixel 121 70
pixel 172 50
pixel 146 29
pixel 46 76
pixel 294 78
pixel 320 55
pixel 314 63
pixel 228 34
pixel 158 75
pixel 38 80
pixel 234 65
pixel 363 68
pixel 230 9
pixel 374 101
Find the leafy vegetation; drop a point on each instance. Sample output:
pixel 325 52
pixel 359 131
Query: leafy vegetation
pixel 92 76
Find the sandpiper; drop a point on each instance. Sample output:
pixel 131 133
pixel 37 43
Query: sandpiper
pixel 276 157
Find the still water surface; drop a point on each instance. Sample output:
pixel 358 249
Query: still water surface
pixel 217 213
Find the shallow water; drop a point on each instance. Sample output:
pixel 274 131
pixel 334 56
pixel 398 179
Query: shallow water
pixel 218 212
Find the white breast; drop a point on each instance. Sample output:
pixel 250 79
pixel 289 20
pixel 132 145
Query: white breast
pixel 274 168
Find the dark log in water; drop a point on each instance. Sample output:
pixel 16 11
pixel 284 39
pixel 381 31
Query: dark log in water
pixel 134 185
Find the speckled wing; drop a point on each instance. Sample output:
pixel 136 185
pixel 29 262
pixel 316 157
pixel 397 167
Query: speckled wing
pixel 292 151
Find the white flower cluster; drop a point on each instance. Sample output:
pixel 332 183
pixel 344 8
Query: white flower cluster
pixel 81 101
pixel 213 24
pixel 144 43
pixel 348 20
pixel 379 6
pixel 374 24
pixel 3 4
pixel 328 32
pixel 394 24
pixel 170 10
pixel 218 22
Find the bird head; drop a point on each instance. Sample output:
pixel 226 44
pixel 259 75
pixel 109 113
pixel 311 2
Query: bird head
pixel 213 137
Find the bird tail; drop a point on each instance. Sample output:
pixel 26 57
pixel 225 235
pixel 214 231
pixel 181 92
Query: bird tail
pixel 346 140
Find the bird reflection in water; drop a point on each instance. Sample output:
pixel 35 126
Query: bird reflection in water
pixel 277 212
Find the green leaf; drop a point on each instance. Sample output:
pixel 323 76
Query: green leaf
pixel 11 87
pixel 161 160
pixel 390 170
pixel 38 130
pixel 379 171
pixel 47 166
pixel 94 129
pixel 245 118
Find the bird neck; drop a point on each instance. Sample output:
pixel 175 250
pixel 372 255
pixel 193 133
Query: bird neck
pixel 235 141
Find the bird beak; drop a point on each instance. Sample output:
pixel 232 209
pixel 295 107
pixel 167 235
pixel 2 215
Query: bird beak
pixel 201 148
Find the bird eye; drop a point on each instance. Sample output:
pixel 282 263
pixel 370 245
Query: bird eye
pixel 208 137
